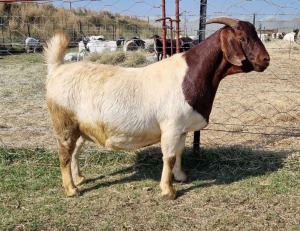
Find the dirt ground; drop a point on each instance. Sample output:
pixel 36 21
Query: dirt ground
pixel 256 110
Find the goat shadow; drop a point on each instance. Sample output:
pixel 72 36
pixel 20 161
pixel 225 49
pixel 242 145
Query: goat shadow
pixel 207 167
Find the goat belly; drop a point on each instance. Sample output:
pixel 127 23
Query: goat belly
pixel 118 137
pixel 131 142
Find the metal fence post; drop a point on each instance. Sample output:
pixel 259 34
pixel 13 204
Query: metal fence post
pixel 202 20
pixel 164 28
pixel 177 26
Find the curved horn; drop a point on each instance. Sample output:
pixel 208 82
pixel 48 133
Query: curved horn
pixel 223 20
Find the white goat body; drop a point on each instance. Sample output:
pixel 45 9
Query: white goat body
pixel 81 47
pixel 133 44
pixel 96 37
pixel 149 45
pixel 289 37
pixel 101 46
pixel 31 44
pixel 131 111
pixel 74 56
pixel 264 37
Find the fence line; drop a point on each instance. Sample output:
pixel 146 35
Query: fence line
pixel 250 109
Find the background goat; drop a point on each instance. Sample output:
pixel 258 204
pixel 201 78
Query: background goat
pixel 129 108
pixel 289 37
pixel 185 44
pixel 101 46
pixel 292 36
pixel 120 42
pixel 32 44
pixel 133 44
pixel 158 47
pixel 74 56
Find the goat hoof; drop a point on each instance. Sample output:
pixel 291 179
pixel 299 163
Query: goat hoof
pixel 171 195
pixel 80 180
pixel 180 177
pixel 73 193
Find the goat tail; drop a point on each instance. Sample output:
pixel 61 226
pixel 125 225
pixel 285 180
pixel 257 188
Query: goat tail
pixel 55 50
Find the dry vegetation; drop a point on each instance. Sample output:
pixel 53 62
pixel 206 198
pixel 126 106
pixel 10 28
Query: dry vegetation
pixel 130 59
pixel 42 20
pixel 246 177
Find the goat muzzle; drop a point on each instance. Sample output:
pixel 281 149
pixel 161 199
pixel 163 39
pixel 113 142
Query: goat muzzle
pixel 262 62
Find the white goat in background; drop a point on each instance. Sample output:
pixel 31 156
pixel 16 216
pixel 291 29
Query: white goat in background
pixel 289 37
pixel 31 44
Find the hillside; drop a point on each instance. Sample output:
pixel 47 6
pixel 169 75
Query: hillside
pixel 20 20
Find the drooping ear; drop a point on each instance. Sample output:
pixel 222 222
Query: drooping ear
pixel 231 47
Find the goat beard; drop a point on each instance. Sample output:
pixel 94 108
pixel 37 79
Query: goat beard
pixel 247 66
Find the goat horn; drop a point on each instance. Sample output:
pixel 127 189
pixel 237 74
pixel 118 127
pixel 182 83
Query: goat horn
pixel 226 21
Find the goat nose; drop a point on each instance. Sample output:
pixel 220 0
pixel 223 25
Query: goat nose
pixel 266 58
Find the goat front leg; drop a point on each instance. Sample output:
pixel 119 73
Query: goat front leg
pixel 171 143
pixel 179 174
pixel 166 186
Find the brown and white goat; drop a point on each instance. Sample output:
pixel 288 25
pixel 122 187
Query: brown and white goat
pixel 129 108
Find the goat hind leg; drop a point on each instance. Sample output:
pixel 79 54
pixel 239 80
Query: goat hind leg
pixel 67 132
pixel 65 156
pixel 66 146
pixel 78 178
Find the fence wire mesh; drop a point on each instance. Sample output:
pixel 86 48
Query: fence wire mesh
pixel 257 110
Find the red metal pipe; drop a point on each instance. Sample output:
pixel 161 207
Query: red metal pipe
pixel 163 24
pixel 171 35
pixel 177 26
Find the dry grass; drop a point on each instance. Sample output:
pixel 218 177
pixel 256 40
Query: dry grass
pixel 44 19
pixel 245 178
pixel 128 59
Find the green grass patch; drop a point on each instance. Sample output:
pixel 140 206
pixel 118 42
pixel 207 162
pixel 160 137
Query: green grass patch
pixel 229 164
pixel 228 188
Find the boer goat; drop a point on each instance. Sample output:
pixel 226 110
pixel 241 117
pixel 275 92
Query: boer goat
pixel 129 108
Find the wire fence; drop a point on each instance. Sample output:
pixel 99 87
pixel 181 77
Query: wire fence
pixel 255 110
pixel 135 18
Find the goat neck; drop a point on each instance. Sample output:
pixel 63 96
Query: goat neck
pixel 207 66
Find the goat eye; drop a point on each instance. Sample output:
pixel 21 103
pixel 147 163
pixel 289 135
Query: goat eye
pixel 242 40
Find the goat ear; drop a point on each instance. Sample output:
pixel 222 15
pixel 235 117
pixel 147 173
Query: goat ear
pixel 231 47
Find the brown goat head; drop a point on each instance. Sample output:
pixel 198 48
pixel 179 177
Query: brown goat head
pixel 241 45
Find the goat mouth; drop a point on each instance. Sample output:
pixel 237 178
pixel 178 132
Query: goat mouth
pixel 261 67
